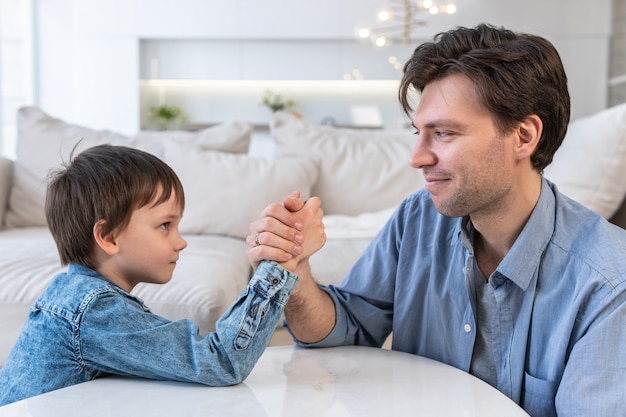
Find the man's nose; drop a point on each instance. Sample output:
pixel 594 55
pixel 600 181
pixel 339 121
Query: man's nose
pixel 422 155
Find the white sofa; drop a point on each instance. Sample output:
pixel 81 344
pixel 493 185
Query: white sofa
pixel 361 175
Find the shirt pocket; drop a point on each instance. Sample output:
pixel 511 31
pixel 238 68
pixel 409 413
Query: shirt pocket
pixel 539 396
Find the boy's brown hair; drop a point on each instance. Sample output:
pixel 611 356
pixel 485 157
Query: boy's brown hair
pixel 108 183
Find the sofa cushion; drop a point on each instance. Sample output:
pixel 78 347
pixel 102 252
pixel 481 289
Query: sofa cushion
pixel 332 262
pixel 45 142
pixel 361 170
pixel 225 192
pixel 590 165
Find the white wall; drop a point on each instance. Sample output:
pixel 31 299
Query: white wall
pixel 89 50
pixel 16 65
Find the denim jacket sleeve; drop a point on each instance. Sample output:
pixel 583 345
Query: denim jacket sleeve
pixel 121 337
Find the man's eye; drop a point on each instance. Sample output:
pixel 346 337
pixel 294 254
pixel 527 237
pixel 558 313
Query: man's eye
pixel 442 134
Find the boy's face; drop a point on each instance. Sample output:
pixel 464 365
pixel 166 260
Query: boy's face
pixel 149 246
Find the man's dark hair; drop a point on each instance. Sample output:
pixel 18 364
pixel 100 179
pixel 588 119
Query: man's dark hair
pixel 515 75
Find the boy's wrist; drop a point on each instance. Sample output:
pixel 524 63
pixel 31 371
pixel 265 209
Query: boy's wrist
pixel 291 264
pixel 296 263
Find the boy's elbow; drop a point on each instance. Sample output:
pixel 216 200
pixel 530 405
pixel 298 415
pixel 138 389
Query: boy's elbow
pixel 233 376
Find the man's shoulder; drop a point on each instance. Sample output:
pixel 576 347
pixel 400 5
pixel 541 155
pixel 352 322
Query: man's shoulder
pixel 590 239
pixel 578 224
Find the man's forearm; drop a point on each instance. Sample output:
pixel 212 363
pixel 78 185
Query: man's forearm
pixel 310 312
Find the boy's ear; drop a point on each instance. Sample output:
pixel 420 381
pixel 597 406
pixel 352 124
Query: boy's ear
pixel 106 242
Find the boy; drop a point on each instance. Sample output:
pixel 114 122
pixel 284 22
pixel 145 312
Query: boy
pixel 114 214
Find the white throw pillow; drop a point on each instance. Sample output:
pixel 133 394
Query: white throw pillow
pixel 44 143
pixel 224 192
pixel 590 165
pixel 361 170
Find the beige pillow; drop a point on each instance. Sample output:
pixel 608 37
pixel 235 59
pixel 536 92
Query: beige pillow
pixel 45 142
pixel 361 170
pixel 590 165
pixel 224 192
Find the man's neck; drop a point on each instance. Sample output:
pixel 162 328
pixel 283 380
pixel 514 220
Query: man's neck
pixel 495 233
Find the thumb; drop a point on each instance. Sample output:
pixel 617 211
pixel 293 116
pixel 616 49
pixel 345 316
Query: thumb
pixel 293 202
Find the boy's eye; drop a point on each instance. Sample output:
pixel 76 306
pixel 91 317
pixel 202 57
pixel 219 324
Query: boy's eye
pixel 165 225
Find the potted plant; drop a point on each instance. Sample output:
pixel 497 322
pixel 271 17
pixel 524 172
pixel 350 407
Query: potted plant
pixel 167 117
pixel 275 102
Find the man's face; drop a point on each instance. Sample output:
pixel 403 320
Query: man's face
pixel 467 163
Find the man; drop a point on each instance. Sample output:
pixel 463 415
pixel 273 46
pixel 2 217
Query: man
pixel 489 268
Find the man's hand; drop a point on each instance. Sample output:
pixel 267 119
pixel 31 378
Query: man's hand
pixel 287 233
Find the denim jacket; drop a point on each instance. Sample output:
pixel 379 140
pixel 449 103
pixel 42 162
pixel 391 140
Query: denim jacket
pixel 83 327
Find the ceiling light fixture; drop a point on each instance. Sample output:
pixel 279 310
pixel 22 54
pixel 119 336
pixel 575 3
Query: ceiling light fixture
pixel 397 21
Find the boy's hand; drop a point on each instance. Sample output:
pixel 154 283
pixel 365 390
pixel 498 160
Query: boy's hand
pixel 287 234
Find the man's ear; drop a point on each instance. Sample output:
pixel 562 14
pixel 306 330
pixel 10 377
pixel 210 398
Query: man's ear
pixel 106 242
pixel 528 134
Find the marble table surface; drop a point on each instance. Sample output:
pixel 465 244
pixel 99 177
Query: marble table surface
pixel 288 381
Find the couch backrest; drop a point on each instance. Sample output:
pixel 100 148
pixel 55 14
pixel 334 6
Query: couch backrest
pixel 45 143
pixel 6 179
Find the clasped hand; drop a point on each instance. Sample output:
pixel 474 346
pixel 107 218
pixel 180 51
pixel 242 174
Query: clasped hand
pixel 287 233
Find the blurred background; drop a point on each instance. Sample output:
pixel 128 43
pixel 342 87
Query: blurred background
pixel 126 65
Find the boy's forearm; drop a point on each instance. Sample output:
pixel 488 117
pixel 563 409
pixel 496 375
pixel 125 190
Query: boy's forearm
pixel 247 327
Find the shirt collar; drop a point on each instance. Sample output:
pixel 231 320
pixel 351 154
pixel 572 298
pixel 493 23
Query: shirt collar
pixel 521 263
pixel 77 269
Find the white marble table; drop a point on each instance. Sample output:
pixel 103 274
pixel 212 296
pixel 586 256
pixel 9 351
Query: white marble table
pixel 287 381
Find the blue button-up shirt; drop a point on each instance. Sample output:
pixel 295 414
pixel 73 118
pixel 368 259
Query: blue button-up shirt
pixel 83 326
pixel 560 294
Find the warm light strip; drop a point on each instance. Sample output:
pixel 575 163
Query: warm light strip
pixel 298 84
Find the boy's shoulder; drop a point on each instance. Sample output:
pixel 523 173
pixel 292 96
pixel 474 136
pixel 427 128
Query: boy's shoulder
pixel 69 293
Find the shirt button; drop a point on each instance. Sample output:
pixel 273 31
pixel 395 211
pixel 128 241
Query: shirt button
pixel 275 281
pixel 467 328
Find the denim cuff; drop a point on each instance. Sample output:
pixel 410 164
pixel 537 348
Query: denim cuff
pixel 275 281
pixel 269 290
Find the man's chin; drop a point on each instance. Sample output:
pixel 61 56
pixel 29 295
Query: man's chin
pixel 446 209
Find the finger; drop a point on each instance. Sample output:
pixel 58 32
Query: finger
pixel 283 215
pixel 314 231
pixel 313 203
pixel 273 226
pixel 273 241
pixel 293 202
pixel 295 194
pixel 257 254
